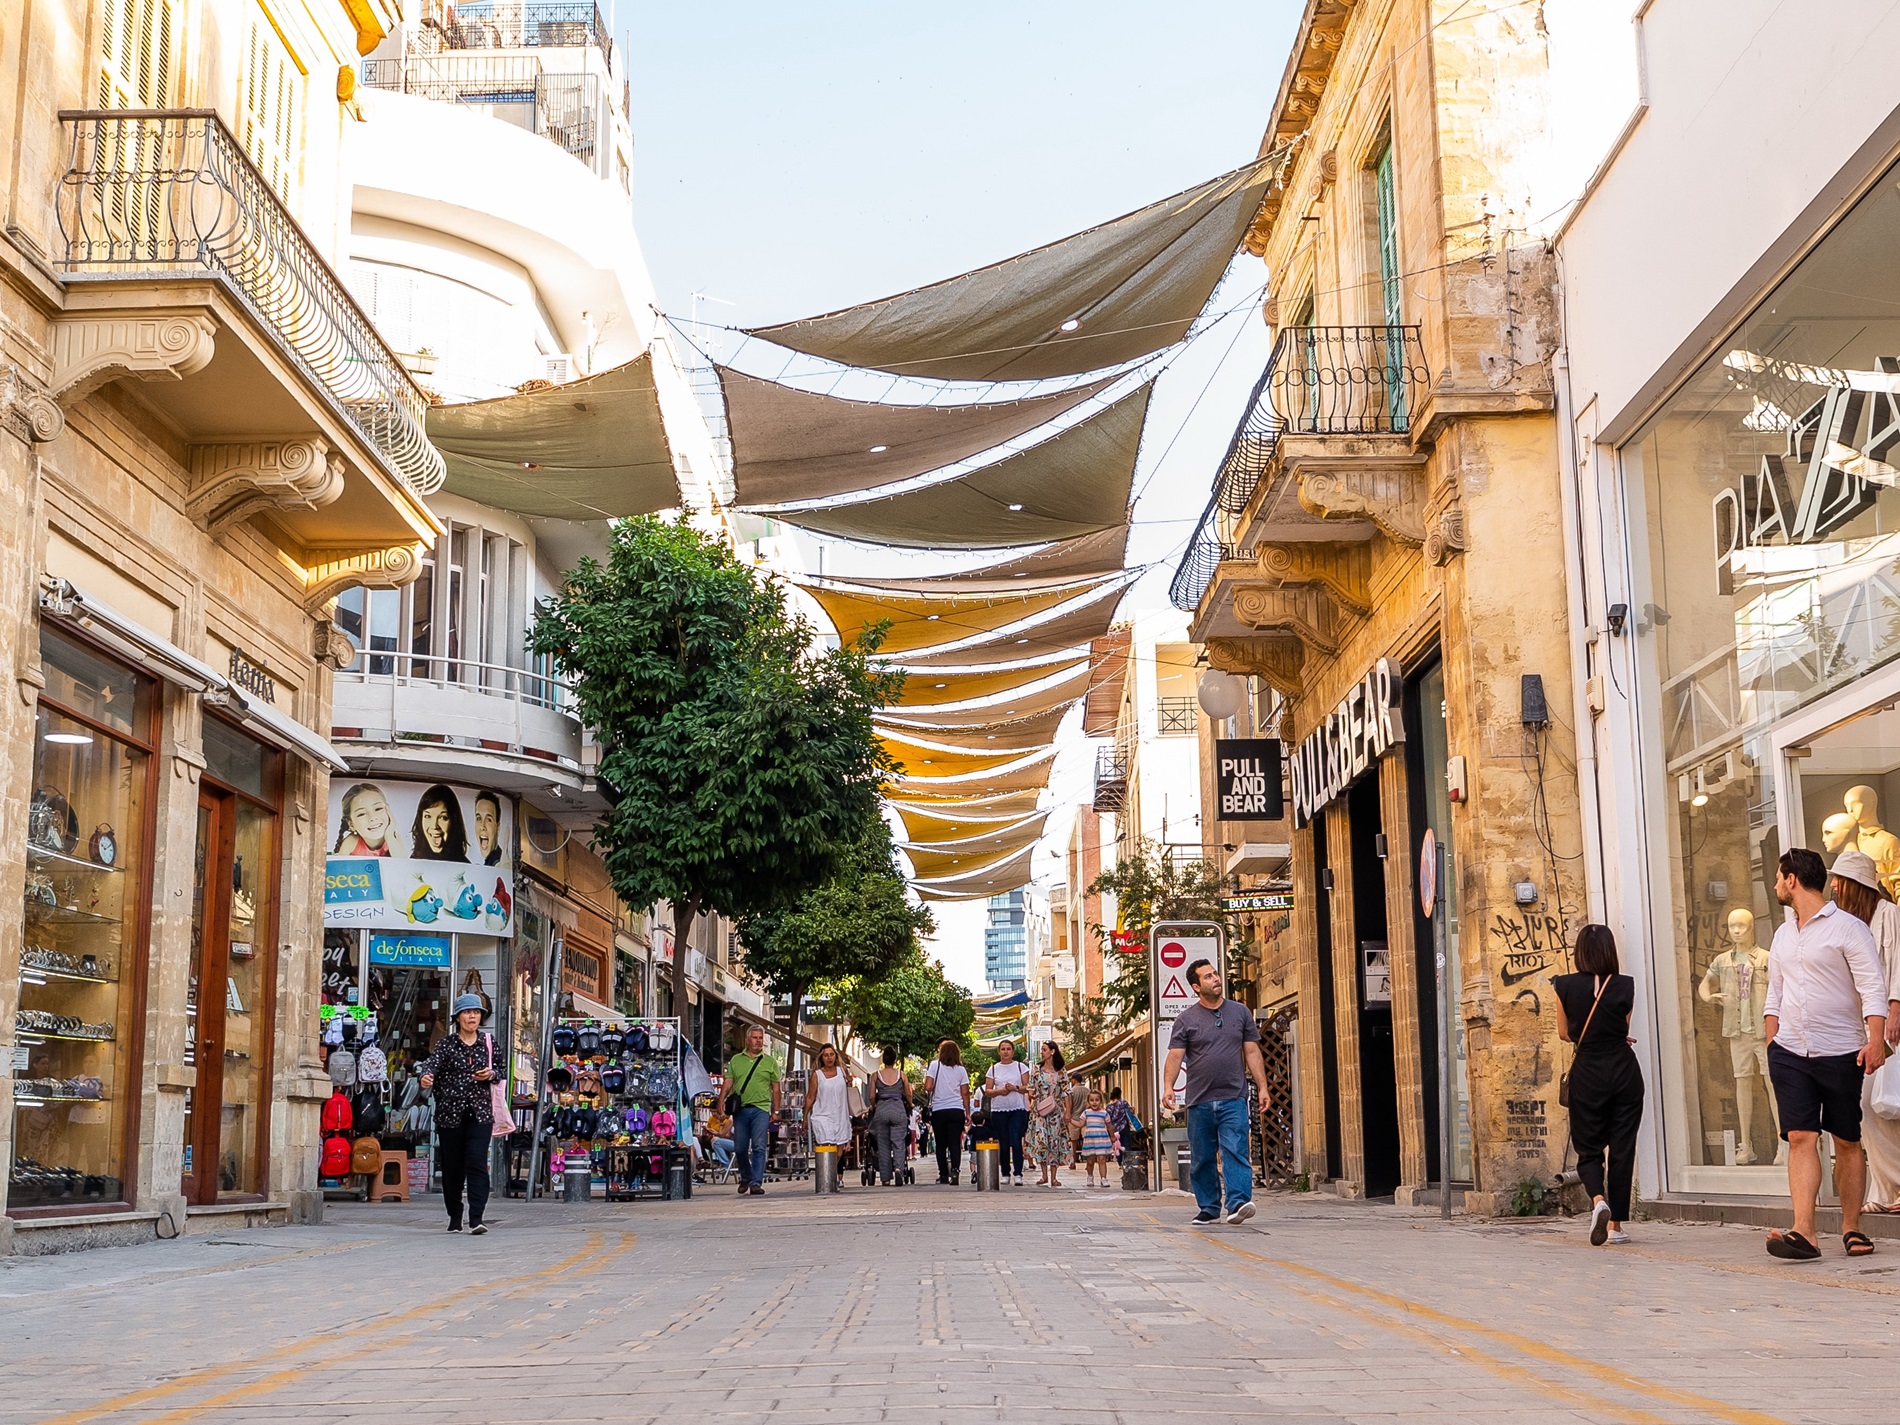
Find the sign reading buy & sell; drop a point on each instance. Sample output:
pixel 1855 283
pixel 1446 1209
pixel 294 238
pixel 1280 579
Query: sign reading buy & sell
pixel 405 856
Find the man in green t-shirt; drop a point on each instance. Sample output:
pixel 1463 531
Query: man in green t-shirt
pixel 753 1077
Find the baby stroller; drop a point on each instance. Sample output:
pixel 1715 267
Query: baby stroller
pixel 864 1138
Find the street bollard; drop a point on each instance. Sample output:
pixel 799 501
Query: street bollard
pixel 824 1168
pixel 987 1170
pixel 1182 1165
pixel 577 1180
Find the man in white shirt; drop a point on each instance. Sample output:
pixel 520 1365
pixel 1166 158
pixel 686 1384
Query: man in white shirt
pixel 1826 1016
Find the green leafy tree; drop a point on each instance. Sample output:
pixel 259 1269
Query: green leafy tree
pixel 911 1010
pixel 1085 1028
pixel 742 755
pixel 856 924
pixel 1151 887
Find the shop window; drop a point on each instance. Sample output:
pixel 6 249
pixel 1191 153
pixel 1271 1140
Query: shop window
pixel 76 1032
pixel 1766 634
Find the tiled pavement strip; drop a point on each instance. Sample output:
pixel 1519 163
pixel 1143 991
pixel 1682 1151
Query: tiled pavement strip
pixel 931 1304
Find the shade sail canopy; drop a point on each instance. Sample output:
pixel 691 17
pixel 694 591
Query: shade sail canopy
pixel 1063 562
pixel 946 830
pixel 920 621
pixel 1037 730
pixel 953 689
pixel 1025 770
pixel 790 445
pixel 593 449
pixel 1122 290
pixel 980 883
pixel 934 865
pixel 1074 483
pixel 1072 626
pixel 1018 803
pixel 924 760
pixel 1066 689
pixel 981 841
pixel 1108 657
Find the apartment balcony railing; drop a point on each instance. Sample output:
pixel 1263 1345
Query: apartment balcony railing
pixel 563 108
pixel 1318 381
pixel 514 24
pixel 417 699
pixel 1175 716
pixel 1111 779
pixel 171 192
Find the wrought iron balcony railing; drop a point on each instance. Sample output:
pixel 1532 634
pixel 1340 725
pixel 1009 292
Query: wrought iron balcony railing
pixel 563 108
pixel 172 192
pixel 1111 779
pixel 1174 717
pixel 515 24
pixel 1318 381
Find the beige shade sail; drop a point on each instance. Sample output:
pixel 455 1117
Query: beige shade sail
pixel 1016 803
pixel 980 883
pixel 1074 483
pixel 946 829
pixel 1036 730
pixel 1070 627
pixel 953 689
pixel 980 840
pixel 1122 290
pixel 930 865
pixel 1063 562
pixel 1025 769
pixel 790 445
pixel 914 760
pixel 919 621
pixel 1108 659
pixel 593 449
pixel 1058 694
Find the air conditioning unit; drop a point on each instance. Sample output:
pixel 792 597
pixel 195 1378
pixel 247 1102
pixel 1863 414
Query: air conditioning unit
pixel 559 368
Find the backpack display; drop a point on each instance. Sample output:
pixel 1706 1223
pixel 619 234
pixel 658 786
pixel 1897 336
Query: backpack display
pixel 342 1068
pixel 337 1115
pixel 366 1155
pixel 372 1066
pixel 368 1109
pixel 335 1162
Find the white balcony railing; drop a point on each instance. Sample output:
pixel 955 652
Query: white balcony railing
pixel 414 699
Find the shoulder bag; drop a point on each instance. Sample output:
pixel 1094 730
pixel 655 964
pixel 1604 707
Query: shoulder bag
pixel 1049 1099
pixel 736 1101
pixel 504 1115
pixel 1563 1079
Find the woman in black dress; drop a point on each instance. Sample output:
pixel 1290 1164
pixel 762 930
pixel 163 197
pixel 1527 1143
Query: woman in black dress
pixel 1606 1083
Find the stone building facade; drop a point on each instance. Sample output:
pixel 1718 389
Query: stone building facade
pixel 1383 547
pixel 205 441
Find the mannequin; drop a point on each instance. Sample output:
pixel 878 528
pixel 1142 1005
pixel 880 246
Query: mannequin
pixel 1837 831
pixel 1863 804
pixel 1737 979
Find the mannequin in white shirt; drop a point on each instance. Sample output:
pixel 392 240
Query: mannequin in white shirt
pixel 1737 980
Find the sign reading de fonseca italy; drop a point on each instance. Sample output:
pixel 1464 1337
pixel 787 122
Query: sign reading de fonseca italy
pixel 1351 740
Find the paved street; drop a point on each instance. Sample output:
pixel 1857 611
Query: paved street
pixel 929 1304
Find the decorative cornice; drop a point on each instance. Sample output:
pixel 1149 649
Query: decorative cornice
pixel 27 411
pixel 1387 493
pixel 89 351
pixel 1445 535
pixel 1343 570
pixel 373 569
pixel 230 483
pixel 1276 657
pixel 1306 611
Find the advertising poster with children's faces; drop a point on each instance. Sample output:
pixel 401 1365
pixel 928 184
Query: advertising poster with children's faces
pixel 405 855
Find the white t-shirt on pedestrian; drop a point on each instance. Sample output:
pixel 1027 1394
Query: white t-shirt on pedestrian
pixel 1008 1079
pixel 948 1081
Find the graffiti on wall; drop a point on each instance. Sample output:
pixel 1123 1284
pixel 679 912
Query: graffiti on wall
pixel 1530 943
pixel 1526 1127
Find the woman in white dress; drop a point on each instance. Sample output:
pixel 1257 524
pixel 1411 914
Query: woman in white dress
pixel 1857 889
pixel 831 1086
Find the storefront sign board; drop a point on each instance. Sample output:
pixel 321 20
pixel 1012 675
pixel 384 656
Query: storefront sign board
pixel 1247 779
pixel 413 951
pixel 1259 900
pixel 406 855
pixel 1350 741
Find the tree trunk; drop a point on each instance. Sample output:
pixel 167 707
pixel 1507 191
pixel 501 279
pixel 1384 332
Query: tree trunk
pixel 798 1008
pixel 683 916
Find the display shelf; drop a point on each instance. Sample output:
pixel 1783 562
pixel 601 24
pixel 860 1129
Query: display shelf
pixel 66 915
pixel 21 1100
pixel 47 857
pixel 27 1036
pixel 27 972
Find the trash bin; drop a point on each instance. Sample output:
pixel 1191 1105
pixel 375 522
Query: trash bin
pixel 824 1168
pixel 1181 1166
pixel 1134 1173
pixel 986 1171
pixel 679 1173
pixel 577 1180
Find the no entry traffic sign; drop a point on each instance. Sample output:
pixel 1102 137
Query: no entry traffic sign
pixel 1173 954
pixel 1175 948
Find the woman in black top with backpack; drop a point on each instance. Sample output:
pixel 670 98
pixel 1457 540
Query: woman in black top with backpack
pixel 1604 1088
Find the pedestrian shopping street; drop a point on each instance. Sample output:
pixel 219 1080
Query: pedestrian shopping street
pixel 933 1304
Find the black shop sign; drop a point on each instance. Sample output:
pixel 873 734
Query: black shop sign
pixel 1247 778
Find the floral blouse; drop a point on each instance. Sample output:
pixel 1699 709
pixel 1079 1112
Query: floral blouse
pixel 459 1096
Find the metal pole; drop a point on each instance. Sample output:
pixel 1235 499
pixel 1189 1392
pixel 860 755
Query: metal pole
pixel 1447 1058
pixel 550 979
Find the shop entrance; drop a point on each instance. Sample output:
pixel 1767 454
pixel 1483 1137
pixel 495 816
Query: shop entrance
pixel 1378 1076
pixel 1328 999
pixel 230 994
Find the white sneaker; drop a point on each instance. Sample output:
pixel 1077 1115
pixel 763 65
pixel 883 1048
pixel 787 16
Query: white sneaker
pixel 1599 1224
pixel 1618 1237
pixel 1019 1180
pixel 1240 1214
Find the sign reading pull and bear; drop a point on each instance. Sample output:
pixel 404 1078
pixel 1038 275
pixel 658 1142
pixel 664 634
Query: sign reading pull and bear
pixel 1247 778
pixel 1349 741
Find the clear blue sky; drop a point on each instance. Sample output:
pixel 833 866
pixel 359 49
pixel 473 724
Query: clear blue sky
pixel 794 158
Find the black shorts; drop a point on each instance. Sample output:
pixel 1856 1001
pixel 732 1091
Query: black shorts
pixel 1818 1095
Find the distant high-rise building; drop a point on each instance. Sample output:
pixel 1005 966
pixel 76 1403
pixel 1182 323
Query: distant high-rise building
pixel 1006 941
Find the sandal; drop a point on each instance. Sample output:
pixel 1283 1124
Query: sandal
pixel 1791 1246
pixel 1858 1244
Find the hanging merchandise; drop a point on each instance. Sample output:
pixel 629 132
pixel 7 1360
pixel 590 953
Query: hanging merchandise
pixel 613 1094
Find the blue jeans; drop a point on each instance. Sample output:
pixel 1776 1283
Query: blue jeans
pixel 1009 1125
pixel 1218 1131
pixel 722 1151
pixel 751 1131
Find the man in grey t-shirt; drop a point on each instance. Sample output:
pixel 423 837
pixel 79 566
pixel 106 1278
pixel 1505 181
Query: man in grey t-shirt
pixel 1221 1045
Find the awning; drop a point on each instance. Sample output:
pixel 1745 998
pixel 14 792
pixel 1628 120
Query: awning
pixel 1070 626
pixel 923 760
pixel 1112 1050
pixel 1108 658
pixel 924 621
pixel 1098 298
pixel 1020 733
pixel 958 689
pixel 267 724
pixel 945 830
pixel 1074 483
pixel 1008 999
pixel 790 445
pixel 590 450
pixel 980 883
pixel 1062 562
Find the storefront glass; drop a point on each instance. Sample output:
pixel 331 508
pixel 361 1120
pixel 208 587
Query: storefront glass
pixel 1769 582
pixel 76 1031
pixel 1435 751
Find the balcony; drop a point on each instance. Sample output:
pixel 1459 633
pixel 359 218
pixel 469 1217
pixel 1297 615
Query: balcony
pixel 1111 779
pixel 1174 717
pixel 562 107
pixel 181 259
pixel 513 24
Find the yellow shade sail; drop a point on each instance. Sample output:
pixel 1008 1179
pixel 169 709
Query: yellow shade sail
pixel 1019 802
pixel 915 760
pixel 1021 733
pixel 979 883
pixel 936 865
pixel 951 830
pixel 1070 626
pixel 922 621
pixel 954 689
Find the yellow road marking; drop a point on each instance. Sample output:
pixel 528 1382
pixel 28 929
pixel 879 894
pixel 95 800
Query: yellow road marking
pixel 1525 1345
pixel 577 1264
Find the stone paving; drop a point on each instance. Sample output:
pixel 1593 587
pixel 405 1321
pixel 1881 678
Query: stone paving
pixel 943 1306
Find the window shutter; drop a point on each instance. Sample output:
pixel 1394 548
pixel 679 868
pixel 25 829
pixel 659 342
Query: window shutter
pixel 271 104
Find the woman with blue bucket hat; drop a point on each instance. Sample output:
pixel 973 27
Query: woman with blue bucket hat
pixel 459 1073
